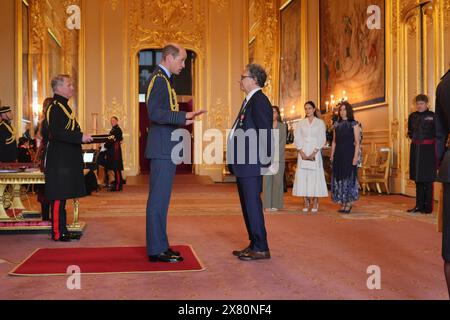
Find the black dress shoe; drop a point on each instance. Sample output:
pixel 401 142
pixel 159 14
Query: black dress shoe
pixel 163 257
pixel 255 255
pixel 171 252
pixel 74 236
pixel 65 237
pixel 239 253
pixel 414 210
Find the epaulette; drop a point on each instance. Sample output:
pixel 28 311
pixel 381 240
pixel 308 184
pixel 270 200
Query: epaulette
pixel 172 94
pixel 70 123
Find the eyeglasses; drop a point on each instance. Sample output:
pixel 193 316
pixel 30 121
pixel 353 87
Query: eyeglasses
pixel 243 77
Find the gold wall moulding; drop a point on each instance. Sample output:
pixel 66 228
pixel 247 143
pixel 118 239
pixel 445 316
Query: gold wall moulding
pixel 178 21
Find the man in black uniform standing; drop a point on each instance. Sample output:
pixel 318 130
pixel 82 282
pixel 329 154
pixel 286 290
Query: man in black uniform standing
pixel 422 158
pixel 442 132
pixel 64 161
pixel 8 143
pixel 114 160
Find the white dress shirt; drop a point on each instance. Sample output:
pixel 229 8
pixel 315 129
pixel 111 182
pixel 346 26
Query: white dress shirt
pixel 165 70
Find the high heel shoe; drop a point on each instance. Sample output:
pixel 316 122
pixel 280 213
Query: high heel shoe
pixel 316 207
pixel 306 208
pixel 348 210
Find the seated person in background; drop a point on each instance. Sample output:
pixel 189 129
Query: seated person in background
pixel 23 151
pixel 101 161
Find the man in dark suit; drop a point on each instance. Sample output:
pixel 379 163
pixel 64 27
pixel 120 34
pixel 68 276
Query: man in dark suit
pixel 8 143
pixel 249 142
pixel 165 118
pixel 64 177
pixel 442 133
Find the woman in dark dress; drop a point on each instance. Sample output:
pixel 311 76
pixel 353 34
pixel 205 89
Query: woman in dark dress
pixel 114 160
pixel 345 158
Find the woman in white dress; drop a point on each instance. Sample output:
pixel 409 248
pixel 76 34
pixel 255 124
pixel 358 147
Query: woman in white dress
pixel 310 177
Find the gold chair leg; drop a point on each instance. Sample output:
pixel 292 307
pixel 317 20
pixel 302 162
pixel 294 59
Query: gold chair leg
pixel 387 188
pixel 76 205
pixel 378 188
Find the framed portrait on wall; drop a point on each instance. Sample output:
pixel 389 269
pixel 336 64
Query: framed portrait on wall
pixel 290 56
pixel 352 56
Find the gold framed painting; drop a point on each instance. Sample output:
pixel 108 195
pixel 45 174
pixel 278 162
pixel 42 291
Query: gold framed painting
pixel 352 55
pixel 290 57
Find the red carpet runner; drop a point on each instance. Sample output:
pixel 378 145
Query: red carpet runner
pixel 47 262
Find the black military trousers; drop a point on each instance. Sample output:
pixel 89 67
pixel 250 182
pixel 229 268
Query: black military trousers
pixel 118 180
pixel 45 211
pixel 424 196
pixel 59 219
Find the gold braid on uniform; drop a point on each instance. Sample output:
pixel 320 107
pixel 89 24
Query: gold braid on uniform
pixel 11 130
pixel 172 94
pixel 71 122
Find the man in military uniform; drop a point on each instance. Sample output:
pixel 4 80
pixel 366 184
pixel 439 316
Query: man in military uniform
pixel 8 143
pixel 165 118
pixel 64 161
pixel 422 162
pixel 114 160
pixel 442 133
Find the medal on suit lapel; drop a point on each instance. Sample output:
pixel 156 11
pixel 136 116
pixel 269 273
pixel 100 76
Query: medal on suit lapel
pixel 241 120
pixel 242 116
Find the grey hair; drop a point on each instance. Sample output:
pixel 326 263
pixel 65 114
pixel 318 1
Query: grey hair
pixel 258 73
pixel 58 80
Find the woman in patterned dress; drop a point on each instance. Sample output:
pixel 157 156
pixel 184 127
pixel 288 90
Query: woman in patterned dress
pixel 345 158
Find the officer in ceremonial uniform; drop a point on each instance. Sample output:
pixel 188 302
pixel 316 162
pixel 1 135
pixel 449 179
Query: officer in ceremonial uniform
pixel 422 164
pixel 442 133
pixel 63 161
pixel 114 160
pixel 8 143
pixel 165 118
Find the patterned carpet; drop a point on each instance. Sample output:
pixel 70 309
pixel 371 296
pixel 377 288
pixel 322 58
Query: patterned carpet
pixel 322 256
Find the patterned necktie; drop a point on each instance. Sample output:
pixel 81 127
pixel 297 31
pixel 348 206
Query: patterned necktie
pixel 240 112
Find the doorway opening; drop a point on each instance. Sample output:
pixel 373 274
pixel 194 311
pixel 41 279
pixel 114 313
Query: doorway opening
pixel 149 60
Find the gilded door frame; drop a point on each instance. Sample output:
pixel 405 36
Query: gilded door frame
pixel 407 186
